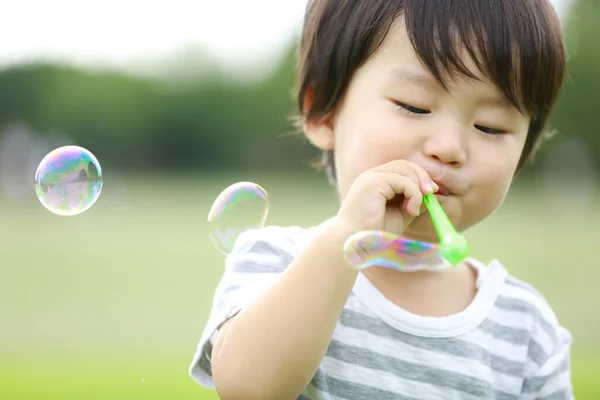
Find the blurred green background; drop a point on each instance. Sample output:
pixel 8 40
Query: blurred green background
pixel 110 304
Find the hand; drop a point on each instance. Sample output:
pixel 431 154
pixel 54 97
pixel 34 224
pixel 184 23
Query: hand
pixel 387 197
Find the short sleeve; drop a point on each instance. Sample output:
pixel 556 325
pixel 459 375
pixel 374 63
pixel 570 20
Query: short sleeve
pixel 552 380
pixel 254 265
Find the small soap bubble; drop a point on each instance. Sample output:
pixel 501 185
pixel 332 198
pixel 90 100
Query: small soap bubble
pixel 383 249
pixel 366 245
pixel 239 208
pixel 68 180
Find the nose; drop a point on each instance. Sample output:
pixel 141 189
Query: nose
pixel 446 146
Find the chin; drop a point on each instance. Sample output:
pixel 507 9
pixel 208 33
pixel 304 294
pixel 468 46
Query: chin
pixel 422 229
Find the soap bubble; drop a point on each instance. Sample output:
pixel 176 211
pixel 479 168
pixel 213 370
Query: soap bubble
pixel 239 208
pixel 383 249
pixel 68 180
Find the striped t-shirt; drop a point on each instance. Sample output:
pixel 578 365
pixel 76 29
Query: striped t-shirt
pixel 506 345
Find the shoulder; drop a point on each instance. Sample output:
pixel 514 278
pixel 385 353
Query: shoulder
pixel 521 300
pixel 516 298
pixel 273 239
pixel 272 247
pixel 520 296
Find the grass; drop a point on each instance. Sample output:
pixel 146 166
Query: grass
pixel 111 303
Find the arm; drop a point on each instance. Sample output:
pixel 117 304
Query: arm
pixel 553 379
pixel 273 348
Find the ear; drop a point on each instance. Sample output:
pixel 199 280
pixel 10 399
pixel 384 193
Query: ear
pixel 319 132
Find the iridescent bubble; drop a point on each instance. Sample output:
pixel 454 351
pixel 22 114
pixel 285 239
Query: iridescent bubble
pixel 383 249
pixel 68 180
pixel 239 208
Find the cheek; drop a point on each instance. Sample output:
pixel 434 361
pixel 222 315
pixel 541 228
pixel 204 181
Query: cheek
pixel 362 146
pixel 491 184
pixel 368 139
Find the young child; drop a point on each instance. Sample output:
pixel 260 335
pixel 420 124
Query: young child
pixel 405 98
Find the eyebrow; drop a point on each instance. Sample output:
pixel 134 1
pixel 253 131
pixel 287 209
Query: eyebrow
pixel 403 75
pixel 408 76
pixel 496 101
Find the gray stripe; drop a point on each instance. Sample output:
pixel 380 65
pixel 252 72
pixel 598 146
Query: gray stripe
pixel 410 371
pixel 534 385
pixel 498 395
pixel 303 397
pixel 512 281
pixel 518 337
pixel 232 289
pixel 204 361
pixel 526 308
pixel 452 346
pixel 351 390
pixel 276 259
pixel 537 354
pixel 564 394
pixel 253 267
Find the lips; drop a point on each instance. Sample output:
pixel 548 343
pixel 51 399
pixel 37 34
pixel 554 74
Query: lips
pixel 443 189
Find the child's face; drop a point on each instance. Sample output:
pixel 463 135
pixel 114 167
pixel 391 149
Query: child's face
pixel 370 129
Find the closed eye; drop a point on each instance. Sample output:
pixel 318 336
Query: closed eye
pixel 416 110
pixel 412 109
pixel 490 131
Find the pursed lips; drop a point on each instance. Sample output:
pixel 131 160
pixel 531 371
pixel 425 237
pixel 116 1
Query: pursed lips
pixel 443 189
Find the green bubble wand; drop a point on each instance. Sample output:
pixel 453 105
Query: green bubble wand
pixel 453 246
pixel 379 248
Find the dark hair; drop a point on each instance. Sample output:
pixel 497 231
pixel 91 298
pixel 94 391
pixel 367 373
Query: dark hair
pixel 517 44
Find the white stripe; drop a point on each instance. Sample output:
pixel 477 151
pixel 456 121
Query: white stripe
pixel 537 302
pixel 558 357
pixel 359 307
pixel 355 304
pixel 232 279
pixel 555 384
pixel 511 319
pixel 253 258
pixel 286 238
pixel 523 285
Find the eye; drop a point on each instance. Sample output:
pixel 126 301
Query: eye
pixel 412 109
pixel 490 131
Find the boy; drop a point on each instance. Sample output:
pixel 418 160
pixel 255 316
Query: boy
pixel 405 98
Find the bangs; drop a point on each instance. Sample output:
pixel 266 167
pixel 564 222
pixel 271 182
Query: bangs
pixel 517 45
pixel 508 42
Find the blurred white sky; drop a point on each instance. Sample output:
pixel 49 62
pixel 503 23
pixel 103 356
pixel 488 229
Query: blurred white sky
pixel 117 33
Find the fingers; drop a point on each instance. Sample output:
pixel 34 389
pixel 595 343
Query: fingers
pixel 426 184
pixel 395 184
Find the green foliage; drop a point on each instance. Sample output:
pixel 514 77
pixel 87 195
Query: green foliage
pixel 216 121
pixel 130 122
pixel 577 108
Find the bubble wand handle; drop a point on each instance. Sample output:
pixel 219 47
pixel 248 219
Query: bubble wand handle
pixel 442 223
pixel 453 246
